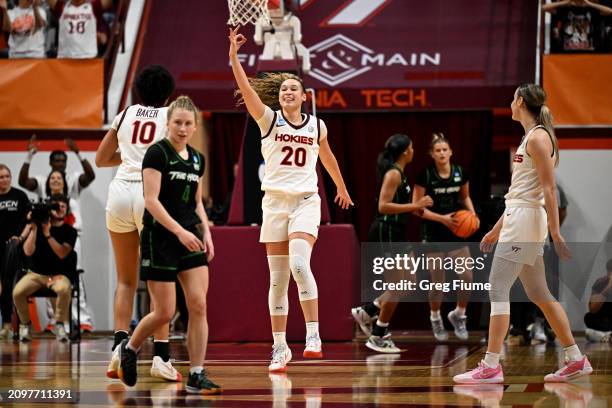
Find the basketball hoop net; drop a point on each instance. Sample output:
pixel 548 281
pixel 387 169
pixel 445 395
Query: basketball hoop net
pixel 245 12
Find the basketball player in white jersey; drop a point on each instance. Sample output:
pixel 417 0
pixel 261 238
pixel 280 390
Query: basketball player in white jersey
pixel 124 145
pixel 531 211
pixel 78 26
pixel 291 143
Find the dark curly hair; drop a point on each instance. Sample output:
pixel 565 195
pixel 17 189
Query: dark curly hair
pixel 154 85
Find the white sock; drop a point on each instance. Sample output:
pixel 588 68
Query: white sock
pixel 312 328
pixel 573 353
pixel 435 315
pixel 134 349
pixel 196 370
pixel 279 338
pixel 382 324
pixel 460 311
pixel 492 359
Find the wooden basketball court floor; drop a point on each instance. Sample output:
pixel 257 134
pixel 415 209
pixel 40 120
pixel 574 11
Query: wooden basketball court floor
pixel 349 375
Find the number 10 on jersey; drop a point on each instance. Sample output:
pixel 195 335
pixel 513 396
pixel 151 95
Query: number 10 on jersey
pixel 143 134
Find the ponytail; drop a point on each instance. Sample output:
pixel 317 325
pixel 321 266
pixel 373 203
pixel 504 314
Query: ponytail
pixel 394 146
pixel 545 119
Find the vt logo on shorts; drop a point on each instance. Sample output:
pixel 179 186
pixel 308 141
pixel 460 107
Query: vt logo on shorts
pixel 515 249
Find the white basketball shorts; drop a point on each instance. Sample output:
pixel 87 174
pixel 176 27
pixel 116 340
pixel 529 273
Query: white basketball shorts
pixel 284 214
pixel 124 206
pixel 523 234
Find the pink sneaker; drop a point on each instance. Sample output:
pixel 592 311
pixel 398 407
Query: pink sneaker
pixel 483 374
pixel 570 371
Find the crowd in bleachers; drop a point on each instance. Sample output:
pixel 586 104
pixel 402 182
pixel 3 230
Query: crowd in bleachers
pixel 56 28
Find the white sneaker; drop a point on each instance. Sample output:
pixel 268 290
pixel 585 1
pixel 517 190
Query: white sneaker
pixel 6 332
pixel 363 319
pixel 438 329
pixel 281 355
pixel 313 347
pixel 538 336
pixel 113 365
pixel 382 345
pixel 163 369
pixel 459 325
pixel 597 336
pixel 60 332
pixel 24 332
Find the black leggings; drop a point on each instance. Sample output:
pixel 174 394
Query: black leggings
pixel 8 280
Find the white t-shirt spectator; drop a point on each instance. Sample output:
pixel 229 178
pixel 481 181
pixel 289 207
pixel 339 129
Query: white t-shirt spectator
pixel 78 26
pixel 23 41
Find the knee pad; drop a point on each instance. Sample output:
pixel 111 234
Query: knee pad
pixel 500 308
pixel 299 263
pixel 502 277
pixel 278 301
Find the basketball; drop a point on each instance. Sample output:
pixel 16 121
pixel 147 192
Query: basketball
pixel 467 223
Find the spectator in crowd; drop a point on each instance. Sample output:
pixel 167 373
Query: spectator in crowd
pixel 81 27
pixel 598 320
pixel 75 183
pixel 49 246
pixel 26 24
pixel 578 25
pixel 14 206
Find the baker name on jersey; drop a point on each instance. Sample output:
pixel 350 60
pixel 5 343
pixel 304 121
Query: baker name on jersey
pixel 147 113
pixel 179 175
pixel 444 190
pixel 77 16
pixel 294 139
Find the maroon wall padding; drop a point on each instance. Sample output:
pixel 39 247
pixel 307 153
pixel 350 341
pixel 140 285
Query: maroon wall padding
pixel 239 281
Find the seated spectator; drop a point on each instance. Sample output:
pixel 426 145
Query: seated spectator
pixel 81 27
pixel 14 205
pixel 599 319
pixel 51 263
pixel 26 24
pixel 578 26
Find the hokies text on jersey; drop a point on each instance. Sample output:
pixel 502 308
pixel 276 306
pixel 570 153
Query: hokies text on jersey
pixel 294 139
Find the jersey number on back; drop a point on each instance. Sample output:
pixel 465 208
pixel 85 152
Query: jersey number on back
pixel 298 155
pixel 143 134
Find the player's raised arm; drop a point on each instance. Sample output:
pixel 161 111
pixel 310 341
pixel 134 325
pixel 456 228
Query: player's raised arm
pixel 253 104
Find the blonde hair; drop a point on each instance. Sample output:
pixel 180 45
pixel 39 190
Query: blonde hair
pixel 437 137
pixel 535 98
pixel 268 87
pixel 184 102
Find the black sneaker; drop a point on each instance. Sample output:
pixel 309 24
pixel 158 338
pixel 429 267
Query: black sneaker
pixel 201 384
pixel 128 364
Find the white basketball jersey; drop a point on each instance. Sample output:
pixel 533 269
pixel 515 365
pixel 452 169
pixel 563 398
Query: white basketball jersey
pixel 290 154
pixel 77 32
pixel 138 127
pixel 525 187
